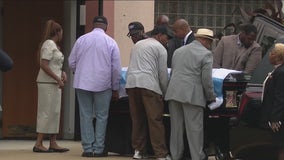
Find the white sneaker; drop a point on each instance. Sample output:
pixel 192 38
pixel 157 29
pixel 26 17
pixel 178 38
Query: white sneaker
pixel 137 155
pixel 168 157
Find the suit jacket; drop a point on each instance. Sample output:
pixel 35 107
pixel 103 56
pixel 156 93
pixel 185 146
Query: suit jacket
pixel 231 55
pixel 190 38
pixel 273 97
pixel 175 43
pixel 191 75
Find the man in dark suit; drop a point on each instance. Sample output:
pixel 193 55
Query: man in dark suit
pixel 183 31
pixel 183 36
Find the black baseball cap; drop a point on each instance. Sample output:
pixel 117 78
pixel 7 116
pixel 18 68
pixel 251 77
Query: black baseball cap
pixel 100 19
pixel 135 27
pixel 163 29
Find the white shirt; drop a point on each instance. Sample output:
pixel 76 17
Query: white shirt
pixel 185 38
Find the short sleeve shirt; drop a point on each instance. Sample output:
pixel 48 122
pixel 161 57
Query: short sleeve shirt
pixel 50 52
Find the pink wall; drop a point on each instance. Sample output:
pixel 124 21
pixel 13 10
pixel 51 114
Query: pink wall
pixel 109 14
pixel 92 10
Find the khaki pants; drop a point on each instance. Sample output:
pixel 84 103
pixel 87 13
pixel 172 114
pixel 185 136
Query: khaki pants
pixel 146 110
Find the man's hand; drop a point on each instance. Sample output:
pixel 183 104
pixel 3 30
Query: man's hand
pixel 115 95
pixel 275 126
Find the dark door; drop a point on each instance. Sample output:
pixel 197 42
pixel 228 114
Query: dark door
pixel 23 22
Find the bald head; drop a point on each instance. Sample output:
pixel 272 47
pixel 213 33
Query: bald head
pixel 162 20
pixel 181 24
pixel 181 28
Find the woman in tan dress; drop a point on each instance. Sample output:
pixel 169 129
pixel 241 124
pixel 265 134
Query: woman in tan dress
pixel 50 82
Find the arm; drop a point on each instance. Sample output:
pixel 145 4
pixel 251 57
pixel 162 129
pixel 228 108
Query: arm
pixel 116 69
pixel 163 71
pixel 277 110
pixel 206 78
pixel 218 54
pixel 44 65
pixel 253 60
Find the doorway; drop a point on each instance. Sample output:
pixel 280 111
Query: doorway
pixel 22 24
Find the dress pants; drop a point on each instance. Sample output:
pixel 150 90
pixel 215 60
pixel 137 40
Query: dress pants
pixel 146 110
pixel 278 142
pixel 190 118
pixel 218 131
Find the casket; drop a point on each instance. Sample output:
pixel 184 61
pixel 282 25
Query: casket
pixel 234 85
pixel 118 137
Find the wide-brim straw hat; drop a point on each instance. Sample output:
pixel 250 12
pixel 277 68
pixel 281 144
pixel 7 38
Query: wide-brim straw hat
pixel 204 33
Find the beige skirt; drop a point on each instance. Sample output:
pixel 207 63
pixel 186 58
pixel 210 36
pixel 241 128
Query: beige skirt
pixel 49 106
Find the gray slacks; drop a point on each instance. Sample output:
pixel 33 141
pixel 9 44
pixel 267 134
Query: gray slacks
pixel 190 118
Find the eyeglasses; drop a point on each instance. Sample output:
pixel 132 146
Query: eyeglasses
pixel 133 35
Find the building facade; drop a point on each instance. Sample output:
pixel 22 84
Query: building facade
pixel 21 25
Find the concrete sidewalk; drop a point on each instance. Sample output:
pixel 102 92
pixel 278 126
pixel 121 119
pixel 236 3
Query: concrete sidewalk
pixel 22 150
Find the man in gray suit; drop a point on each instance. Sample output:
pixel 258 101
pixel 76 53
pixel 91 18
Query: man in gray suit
pixel 189 89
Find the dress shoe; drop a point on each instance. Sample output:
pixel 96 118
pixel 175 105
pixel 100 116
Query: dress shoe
pixel 222 156
pixel 104 154
pixel 87 154
pixel 59 150
pixel 38 150
pixel 168 157
pixel 139 155
pixel 206 158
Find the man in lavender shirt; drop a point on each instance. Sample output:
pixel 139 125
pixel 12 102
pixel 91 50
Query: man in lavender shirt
pixel 95 60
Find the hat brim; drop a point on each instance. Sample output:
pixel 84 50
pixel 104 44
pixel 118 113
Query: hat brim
pixel 203 36
pixel 133 32
pixel 162 29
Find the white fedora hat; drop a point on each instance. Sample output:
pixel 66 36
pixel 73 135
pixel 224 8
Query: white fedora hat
pixel 204 33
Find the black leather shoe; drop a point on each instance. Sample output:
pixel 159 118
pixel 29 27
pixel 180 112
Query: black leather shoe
pixel 104 154
pixel 38 150
pixel 59 150
pixel 222 156
pixel 87 154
